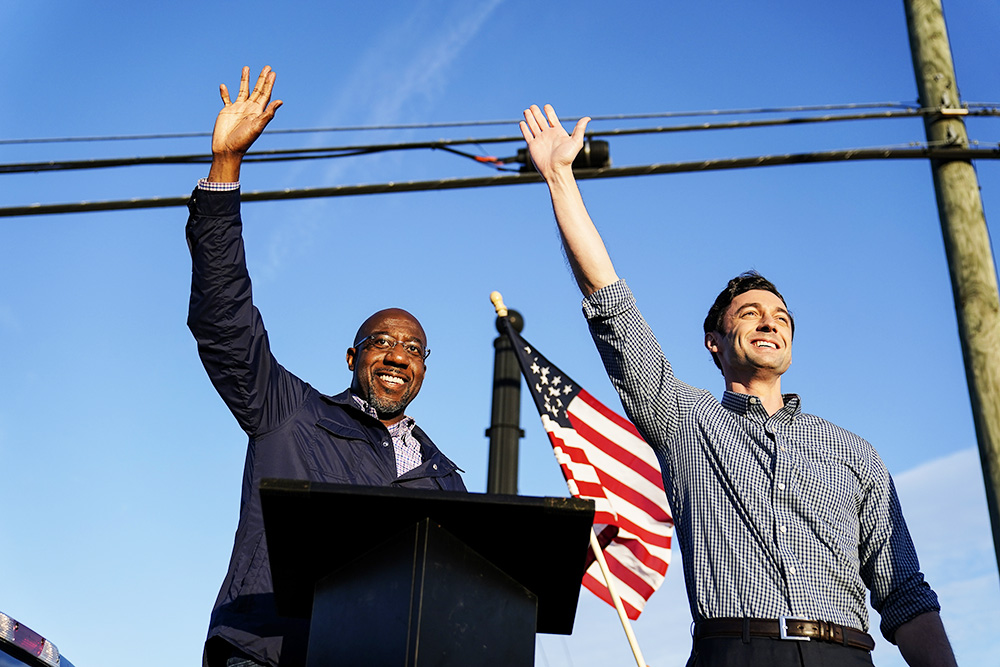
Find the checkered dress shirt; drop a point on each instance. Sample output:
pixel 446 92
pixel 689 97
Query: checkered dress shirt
pixel 406 446
pixel 211 186
pixel 780 515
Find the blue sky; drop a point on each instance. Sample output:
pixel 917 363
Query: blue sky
pixel 122 467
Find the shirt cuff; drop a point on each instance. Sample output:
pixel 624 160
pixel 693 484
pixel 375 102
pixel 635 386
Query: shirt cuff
pixel 205 184
pixel 607 301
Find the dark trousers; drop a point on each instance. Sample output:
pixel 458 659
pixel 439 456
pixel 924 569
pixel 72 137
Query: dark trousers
pixel 767 652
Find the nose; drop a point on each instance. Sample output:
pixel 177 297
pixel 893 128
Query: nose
pixel 397 356
pixel 767 323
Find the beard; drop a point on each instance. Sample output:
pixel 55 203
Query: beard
pixel 386 408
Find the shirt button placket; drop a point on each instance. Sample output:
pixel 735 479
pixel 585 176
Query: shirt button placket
pixel 782 514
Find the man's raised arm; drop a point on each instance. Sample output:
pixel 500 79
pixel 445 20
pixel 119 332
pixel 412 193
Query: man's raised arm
pixel 240 123
pixel 553 151
pixel 232 341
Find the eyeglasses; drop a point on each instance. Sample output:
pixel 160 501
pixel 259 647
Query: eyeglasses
pixel 385 343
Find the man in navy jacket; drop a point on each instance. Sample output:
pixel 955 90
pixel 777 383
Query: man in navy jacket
pixel 361 436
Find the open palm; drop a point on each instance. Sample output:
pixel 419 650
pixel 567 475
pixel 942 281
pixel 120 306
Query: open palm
pixel 240 123
pixel 550 146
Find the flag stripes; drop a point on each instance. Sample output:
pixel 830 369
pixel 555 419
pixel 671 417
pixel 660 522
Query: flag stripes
pixel 603 457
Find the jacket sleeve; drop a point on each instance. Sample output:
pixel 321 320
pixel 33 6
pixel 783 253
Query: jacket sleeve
pixel 232 341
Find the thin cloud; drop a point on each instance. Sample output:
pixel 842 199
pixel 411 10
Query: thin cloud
pixel 397 74
pixel 398 70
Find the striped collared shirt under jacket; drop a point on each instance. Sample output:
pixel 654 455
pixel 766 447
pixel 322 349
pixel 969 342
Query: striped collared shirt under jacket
pixel 781 515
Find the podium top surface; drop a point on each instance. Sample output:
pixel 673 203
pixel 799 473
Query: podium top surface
pixel 314 529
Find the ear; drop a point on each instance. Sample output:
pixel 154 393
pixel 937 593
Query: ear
pixel 351 352
pixel 711 343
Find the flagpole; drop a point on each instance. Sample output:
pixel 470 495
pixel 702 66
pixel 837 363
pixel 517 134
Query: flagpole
pixel 502 311
pixel 599 554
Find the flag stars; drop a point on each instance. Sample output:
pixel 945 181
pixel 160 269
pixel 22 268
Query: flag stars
pixel 551 387
pixel 554 408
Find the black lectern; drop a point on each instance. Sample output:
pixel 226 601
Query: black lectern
pixel 417 578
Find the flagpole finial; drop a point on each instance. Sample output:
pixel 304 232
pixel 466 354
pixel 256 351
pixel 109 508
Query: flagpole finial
pixel 497 300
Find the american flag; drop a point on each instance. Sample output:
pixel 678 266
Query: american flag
pixel 604 458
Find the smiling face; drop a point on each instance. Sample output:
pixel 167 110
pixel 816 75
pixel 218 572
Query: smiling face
pixel 388 378
pixel 754 337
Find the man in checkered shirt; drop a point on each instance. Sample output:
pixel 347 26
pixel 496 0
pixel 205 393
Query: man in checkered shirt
pixel 784 519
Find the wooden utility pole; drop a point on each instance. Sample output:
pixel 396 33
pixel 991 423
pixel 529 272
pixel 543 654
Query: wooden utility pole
pixel 966 240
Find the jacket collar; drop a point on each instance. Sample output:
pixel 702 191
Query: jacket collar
pixel 432 455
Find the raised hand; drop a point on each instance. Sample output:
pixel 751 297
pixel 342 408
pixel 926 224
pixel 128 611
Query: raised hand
pixel 551 148
pixel 553 152
pixel 239 123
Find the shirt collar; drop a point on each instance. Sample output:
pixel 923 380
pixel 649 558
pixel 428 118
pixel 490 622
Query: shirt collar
pixel 402 428
pixel 751 406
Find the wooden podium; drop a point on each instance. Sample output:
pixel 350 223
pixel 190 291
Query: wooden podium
pixel 406 578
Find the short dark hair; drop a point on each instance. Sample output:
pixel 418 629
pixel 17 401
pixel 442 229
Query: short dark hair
pixel 745 282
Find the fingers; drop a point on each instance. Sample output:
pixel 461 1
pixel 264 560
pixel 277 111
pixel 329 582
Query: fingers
pixel 534 121
pixel 525 132
pixel 244 85
pixel 269 111
pixel 550 113
pixel 538 119
pixel 529 123
pixel 262 89
pixel 581 128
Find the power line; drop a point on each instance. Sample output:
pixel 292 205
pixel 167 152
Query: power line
pixel 283 155
pixel 928 152
pixel 485 123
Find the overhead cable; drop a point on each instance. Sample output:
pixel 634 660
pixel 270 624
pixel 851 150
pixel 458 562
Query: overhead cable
pixel 926 152
pixel 483 123
pixel 284 155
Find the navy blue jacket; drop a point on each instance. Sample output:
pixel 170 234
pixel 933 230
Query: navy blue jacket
pixel 295 431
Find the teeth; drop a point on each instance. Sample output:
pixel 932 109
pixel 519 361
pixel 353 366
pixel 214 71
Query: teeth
pixel 764 343
pixel 390 379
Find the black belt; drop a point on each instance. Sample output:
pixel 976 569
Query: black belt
pixel 785 627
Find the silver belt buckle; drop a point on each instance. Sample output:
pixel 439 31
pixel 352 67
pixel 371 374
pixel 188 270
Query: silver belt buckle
pixel 783 628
